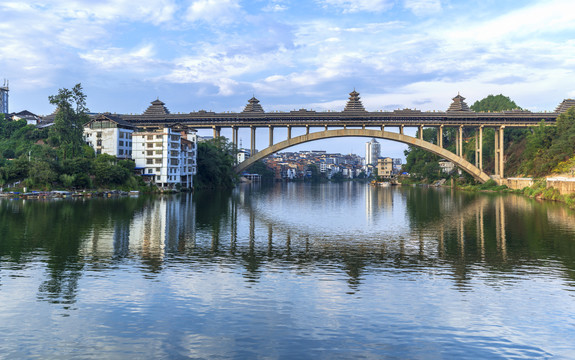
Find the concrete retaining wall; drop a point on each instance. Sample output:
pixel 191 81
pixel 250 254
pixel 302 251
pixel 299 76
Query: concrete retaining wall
pixel 517 183
pixel 565 185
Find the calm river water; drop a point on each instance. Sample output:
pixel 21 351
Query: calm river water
pixel 291 271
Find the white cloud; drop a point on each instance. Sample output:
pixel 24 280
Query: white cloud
pixel 351 6
pixel 423 7
pixel 214 11
pixel 116 59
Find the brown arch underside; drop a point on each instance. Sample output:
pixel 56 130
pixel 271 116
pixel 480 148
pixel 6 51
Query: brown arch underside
pixel 409 140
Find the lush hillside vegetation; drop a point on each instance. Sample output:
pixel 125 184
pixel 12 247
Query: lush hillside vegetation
pixel 536 151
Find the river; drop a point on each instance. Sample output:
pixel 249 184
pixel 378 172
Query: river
pixel 289 271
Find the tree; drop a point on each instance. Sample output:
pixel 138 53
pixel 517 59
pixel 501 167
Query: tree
pixel 215 159
pixel 494 103
pixel 71 115
pixel 260 168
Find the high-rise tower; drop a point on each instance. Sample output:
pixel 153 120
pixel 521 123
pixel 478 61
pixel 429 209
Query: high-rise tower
pixel 4 97
pixel 372 152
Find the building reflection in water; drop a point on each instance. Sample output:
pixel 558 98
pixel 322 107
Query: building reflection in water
pixel 451 230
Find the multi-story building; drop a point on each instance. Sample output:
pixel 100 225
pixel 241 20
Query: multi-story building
pixel 243 155
pixel 108 134
pixel 372 152
pixel 167 156
pixel 385 167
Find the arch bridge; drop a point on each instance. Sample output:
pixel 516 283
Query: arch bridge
pixel 355 121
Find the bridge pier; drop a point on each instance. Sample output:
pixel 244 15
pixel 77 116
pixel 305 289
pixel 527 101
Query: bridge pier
pixel 420 132
pixel 479 148
pixel 235 136
pixel 459 141
pixel 440 136
pixel 499 155
pixel 289 132
pixel 401 129
pixel 271 135
pixel 307 129
pixel 217 130
pixel 253 141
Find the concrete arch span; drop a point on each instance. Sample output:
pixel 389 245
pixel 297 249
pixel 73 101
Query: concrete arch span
pixel 409 140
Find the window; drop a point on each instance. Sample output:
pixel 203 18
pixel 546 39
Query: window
pixel 121 143
pixel 149 161
pixel 99 142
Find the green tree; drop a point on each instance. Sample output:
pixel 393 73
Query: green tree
pixel 215 159
pixel 494 103
pixel 260 168
pixel 71 115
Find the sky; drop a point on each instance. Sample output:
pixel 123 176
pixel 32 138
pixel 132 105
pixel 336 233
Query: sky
pixel 217 54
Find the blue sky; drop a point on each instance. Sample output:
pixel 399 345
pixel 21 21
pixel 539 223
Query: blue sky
pixel 216 54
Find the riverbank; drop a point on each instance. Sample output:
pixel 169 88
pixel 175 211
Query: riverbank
pixel 540 189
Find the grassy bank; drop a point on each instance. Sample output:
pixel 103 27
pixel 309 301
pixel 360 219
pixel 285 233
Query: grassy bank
pixel 538 190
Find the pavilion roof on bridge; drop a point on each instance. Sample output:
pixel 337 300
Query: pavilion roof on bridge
pixel 565 105
pixel 253 106
pixel 354 104
pixel 157 108
pixel 458 104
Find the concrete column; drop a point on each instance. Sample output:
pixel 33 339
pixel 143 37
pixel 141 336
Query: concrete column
pixel 501 154
pixel 480 149
pixel 440 136
pixel 235 136
pixel 457 151
pixel 289 132
pixel 496 153
pixel 401 129
pixel 421 132
pixel 382 128
pixel 307 129
pixel 253 140
pixel 271 135
pixel 216 131
pixel 460 141
pixel 326 128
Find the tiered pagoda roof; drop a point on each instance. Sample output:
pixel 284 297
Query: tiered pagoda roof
pixel 253 105
pixel 156 109
pixel 458 104
pixel 565 105
pixel 354 104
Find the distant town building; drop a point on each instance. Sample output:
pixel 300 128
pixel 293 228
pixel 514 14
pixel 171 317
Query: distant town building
pixel 31 119
pixel 108 134
pixel 372 152
pixel 385 167
pixel 446 166
pixel 243 155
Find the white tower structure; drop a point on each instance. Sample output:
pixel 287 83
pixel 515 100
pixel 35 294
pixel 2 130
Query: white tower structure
pixel 372 152
pixel 4 97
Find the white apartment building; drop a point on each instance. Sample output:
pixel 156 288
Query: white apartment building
pixel 372 152
pixel 108 134
pixel 167 156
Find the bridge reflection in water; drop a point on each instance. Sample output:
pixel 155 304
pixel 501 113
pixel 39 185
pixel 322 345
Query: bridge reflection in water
pixel 352 227
pixel 409 228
